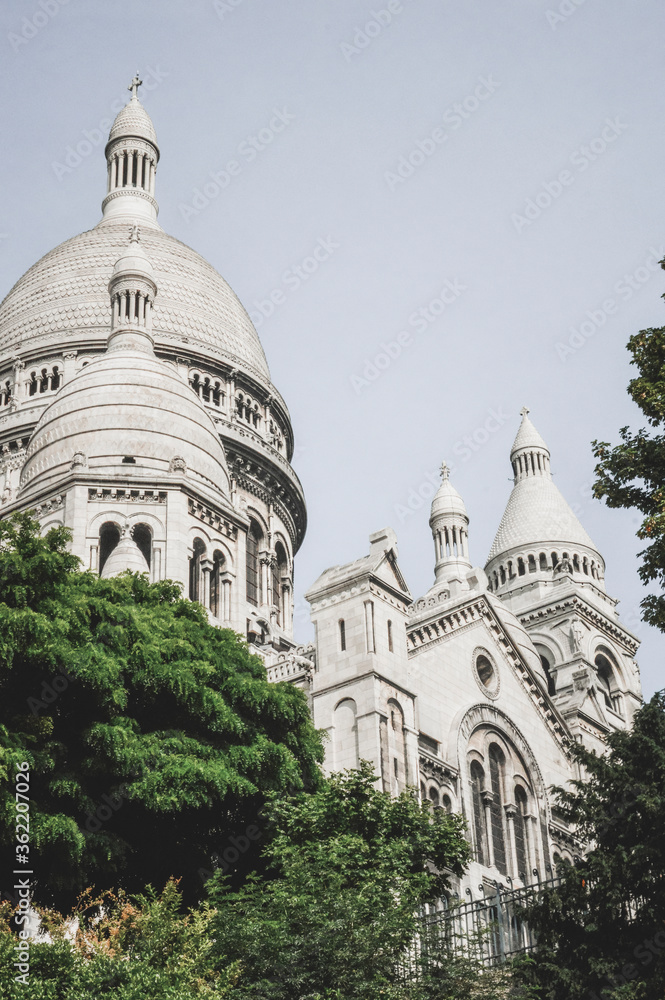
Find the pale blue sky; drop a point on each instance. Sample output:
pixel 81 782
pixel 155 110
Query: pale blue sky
pixel 563 110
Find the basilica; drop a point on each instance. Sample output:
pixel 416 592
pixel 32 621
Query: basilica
pixel 137 409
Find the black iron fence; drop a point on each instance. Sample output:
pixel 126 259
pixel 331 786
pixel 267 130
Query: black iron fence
pixel 490 929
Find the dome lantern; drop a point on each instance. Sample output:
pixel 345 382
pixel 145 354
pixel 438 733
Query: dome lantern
pixel 132 155
pixel 450 529
pixel 529 455
pixel 133 290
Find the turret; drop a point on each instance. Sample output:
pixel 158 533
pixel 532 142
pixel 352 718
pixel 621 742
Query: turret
pixel 132 155
pixel 450 529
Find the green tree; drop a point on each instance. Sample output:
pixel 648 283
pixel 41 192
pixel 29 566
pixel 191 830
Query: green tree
pixel 602 932
pixel 350 868
pixel 632 474
pixel 150 736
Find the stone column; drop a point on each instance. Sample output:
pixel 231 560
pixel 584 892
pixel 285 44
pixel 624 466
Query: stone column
pixel 225 597
pixel 206 570
pixel 511 811
pixel 488 799
pixel 266 560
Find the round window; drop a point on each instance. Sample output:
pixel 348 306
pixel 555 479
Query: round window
pixel 486 674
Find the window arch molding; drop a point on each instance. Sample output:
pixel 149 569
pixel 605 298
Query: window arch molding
pixel 484 717
pixel 486 672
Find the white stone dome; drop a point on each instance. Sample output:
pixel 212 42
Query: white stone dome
pixel 126 405
pixel 133 121
pixel 62 301
pixel 447 501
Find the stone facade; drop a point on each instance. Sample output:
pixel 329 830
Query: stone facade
pixel 136 408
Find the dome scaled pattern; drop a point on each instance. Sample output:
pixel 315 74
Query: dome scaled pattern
pixel 63 299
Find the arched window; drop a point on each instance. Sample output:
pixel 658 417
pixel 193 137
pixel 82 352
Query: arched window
pixel 497 761
pixel 521 840
pixel 434 796
pixel 342 635
pixel 279 572
pixel 606 677
pixel 477 786
pixel 532 564
pixel 576 563
pixel 142 535
pixel 345 735
pixel 543 561
pixel 521 569
pixel 390 636
pixel 195 570
pixel 396 746
pixel 109 536
pixel 547 667
pixel 216 584
pixel 555 560
pixel 446 803
pixel 254 537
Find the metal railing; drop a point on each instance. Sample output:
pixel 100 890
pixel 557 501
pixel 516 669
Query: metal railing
pixel 490 929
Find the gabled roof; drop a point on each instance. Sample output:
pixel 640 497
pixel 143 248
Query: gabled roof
pixel 380 563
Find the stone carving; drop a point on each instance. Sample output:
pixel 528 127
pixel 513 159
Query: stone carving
pixel 79 461
pixel 178 464
pixel 576 635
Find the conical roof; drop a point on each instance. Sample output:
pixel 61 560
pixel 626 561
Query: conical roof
pixel 125 556
pixel 527 437
pixel 536 515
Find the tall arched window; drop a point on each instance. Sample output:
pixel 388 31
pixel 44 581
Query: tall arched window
pixel 342 635
pixel 279 572
pixel 142 535
pixel 195 570
pixel 109 536
pixel 254 537
pixel 521 834
pixel 477 786
pixel 547 667
pixel 390 636
pixel 216 584
pixel 605 677
pixel 345 735
pixel 396 746
pixel 497 761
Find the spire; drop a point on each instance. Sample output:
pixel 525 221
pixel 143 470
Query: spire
pixel 450 529
pixel 132 155
pixel 529 455
pixel 133 291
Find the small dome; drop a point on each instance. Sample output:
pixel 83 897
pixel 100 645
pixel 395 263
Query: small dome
pixel 133 261
pixel 133 121
pixel 125 556
pixel 126 409
pixel 447 500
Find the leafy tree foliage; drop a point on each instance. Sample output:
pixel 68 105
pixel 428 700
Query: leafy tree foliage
pixel 632 474
pixel 150 735
pixel 602 932
pixel 350 868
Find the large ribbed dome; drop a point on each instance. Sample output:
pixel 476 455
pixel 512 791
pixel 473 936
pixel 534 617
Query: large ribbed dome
pixel 63 299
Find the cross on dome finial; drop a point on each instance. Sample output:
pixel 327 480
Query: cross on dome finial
pixel 134 86
pixel 445 472
pixel 134 234
pixel 524 411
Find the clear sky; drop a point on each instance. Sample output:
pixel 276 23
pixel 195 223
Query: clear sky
pixel 484 182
